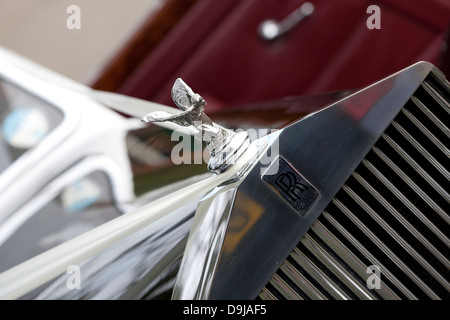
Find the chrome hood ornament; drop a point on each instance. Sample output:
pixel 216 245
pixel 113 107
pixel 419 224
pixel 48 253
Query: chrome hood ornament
pixel 231 252
pixel 225 145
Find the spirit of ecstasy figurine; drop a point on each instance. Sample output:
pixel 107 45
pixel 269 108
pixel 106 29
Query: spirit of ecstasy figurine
pixel 225 145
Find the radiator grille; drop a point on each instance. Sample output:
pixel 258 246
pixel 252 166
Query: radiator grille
pixel 393 212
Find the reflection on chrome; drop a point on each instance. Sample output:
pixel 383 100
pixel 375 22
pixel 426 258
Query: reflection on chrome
pixel 161 230
pixel 325 148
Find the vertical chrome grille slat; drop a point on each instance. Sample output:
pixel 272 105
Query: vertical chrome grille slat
pixel 416 166
pixel 386 272
pixel 284 289
pixel 422 150
pixel 436 96
pixel 407 202
pixel 393 212
pixel 353 262
pixel 397 237
pixel 438 123
pixel 403 221
pixel 332 265
pixel 320 276
pixel 426 132
pixel 412 184
pixel 385 249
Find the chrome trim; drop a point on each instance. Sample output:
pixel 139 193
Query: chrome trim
pixel 225 146
pixel 415 165
pixel 35 168
pixel 383 246
pixel 402 220
pixel 287 291
pixel 387 210
pixel 411 183
pixel 43 197
pixel 328 217
pixel 407 202
pixel 430 115
pixel 419 147
pixel 211 218
pixel 431 91
pixel 31 274
pixel 341 273
pixel 325 148
pixel 311 268
pixel 349 257
pixel 136 267
pixel 396 236
pixel 301 281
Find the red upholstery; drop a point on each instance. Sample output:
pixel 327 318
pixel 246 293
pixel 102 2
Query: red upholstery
pixel 217 51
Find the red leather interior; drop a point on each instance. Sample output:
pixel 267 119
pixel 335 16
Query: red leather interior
pixel 216 49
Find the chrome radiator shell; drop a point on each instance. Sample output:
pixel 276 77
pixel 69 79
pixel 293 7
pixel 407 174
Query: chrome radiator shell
pixel 258 229
pixel 393 213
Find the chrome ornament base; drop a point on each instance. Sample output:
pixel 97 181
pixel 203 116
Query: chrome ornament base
pixel 228 152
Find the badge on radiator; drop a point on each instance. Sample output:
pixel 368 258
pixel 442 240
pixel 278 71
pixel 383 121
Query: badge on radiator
pixel 291 185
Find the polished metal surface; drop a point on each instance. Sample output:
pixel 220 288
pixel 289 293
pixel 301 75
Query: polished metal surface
pixel 207 234
pixel 150 253
pixel 262 230
pixel 142 266
pixel 393 212
pixel 270 30
pixel 210 226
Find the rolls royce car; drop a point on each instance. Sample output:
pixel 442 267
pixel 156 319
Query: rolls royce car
pixel 220 193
